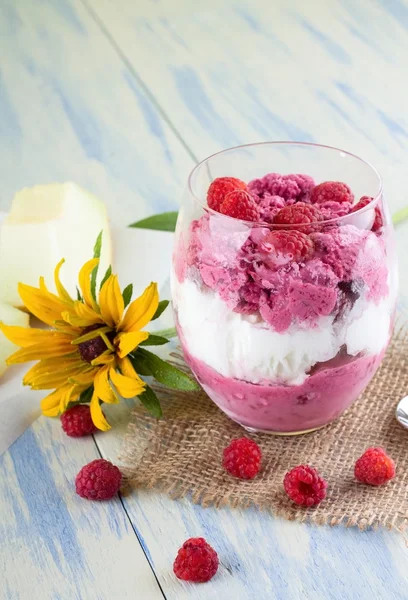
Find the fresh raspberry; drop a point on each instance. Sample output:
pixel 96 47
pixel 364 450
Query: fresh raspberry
pixel 242 458
pixel 299 214
pixel 240 205
pixel 288 244
pixel 220 187
pixel 196 561
pixel 335 191
pixel 378 220
pixel 98 480
pixel 304 486
pixel 77 421
pixel 374 467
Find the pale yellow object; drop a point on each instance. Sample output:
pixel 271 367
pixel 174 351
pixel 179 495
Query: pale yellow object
pixel 10 316
pixel 45 224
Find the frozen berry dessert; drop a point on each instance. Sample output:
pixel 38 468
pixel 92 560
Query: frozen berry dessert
pixel 284 289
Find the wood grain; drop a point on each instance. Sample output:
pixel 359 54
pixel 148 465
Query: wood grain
pixel 55 544
pixel 71 110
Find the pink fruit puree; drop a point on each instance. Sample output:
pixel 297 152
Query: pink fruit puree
pixel 323 397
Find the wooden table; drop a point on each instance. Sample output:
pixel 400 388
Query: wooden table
pixel 124 97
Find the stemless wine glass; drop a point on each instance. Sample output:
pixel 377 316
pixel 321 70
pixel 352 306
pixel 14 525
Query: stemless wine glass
pixel 284 325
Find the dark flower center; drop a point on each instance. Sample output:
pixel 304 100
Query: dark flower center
pixel 93 348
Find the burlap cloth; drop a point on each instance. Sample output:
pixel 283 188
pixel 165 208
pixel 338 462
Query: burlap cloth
pixel 181 454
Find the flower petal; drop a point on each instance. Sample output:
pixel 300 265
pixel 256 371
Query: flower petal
pixel 97 415
pixel 84 316
pixel 49 366
pixel 45 306
pixel 127 387
pixel 38 351
pixel 103 388
pixel 129 341
pixel 26 336
pixel 141 310
pixel 127 369
pixel 62 292
pixel 50 404
pixel 111 301
pixel 84 279
pixel 103 359
pixel 48 381
pixel 84 377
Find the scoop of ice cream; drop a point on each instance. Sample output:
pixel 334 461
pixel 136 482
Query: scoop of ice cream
pixel 290 187
pixel 334 210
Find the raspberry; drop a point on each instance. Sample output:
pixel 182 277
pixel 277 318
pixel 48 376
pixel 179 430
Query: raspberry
pixel 196 561
pixel 98 480
pixel 299 214
pixel 242 458
pixel 220 187
pixel 335 191
pixel 304 486
pixel 77 421
pixel 240 204
pixel 288 245
pixel 378 220
pixel 374 467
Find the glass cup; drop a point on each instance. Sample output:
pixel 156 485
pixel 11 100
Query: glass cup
pixel 284 325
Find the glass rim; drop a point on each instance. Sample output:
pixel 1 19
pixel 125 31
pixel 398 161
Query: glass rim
pixel 343 218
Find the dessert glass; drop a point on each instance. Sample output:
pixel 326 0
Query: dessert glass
pixel 281 344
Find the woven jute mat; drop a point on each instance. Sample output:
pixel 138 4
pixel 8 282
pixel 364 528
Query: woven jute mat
pixel 181 454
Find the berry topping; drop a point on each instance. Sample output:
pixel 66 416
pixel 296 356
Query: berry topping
pixel 77 421
pixel 220 187
pixel 240 205
pixel 378 220
pixel 242 458
pixel 299 214
pixel 374 467
pixel 334 191
pixel 196 561
pixel 304 486
pixel 98 480
pixel 286 245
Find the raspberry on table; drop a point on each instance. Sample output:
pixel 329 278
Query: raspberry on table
pixel 374 467
pixel 196 561
pixel 304 486
pixel 220 187
pixel 242 458
pixel 77 421
pixel 98 480
pixel 299 214
pixel 240 205
pixel 334 191
pixel 289 244
pixel 378 220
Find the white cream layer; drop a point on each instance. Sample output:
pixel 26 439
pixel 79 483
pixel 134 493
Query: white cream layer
pixel 244 347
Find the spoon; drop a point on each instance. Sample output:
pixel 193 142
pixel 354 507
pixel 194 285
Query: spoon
pixel 401 412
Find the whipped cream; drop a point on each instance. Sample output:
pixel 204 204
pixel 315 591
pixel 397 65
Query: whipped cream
pixel 245 347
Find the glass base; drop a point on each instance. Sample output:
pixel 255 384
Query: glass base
pixel 281 433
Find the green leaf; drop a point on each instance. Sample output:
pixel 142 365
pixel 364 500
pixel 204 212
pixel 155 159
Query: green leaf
pixel 154 340
pixel 127 294
pixel 140 365
pixel 400 216
pixel 151 402
pixel 167 333
pixel 162 222
pixel 106 276
pixel 165 373
pixel 96 254
pixel 163 304
pixel 79 297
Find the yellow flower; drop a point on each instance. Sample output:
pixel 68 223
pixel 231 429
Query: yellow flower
pixel 89 344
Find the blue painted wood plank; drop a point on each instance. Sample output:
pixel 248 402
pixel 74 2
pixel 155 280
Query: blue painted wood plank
pixel 54 544
pixel 71 110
